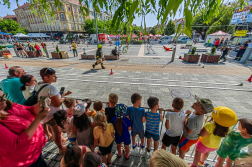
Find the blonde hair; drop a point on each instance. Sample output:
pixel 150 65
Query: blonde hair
pixel 100 120
pixel 69 102
pixel 113 98
pixel 162 158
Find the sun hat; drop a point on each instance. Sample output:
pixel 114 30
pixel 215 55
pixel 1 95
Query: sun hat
pixel 224 116
pixel 206 104
pixel 121 110
pixel 99 46
pixel 79 108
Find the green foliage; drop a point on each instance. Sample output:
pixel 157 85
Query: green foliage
pixel 213 50
pixel 193 50
pixel 1 48
pixel 32 48
pixel 170 28
pixel 136 30
pixel 153 31
pixel 11 26
pixel 138 42
pixel 57 49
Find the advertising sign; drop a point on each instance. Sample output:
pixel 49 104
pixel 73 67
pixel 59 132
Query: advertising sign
pixel 241 33
pixel 242 15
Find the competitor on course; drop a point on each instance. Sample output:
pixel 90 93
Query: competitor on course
pixel 99 57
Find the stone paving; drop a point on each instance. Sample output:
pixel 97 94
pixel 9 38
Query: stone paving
pixel 149 77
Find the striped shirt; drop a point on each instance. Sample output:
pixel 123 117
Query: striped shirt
pixel 152 123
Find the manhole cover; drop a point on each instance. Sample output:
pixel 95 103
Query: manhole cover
pixel 67 68
pixel 124 60
pixel 74 66
pixel 182 93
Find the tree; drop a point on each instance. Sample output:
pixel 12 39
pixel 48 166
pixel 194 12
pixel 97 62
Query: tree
pixel 170 28
pixel 136 30
pixel 11 26
pixel 153 31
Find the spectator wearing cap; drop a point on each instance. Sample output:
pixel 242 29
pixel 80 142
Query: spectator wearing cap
pixel 193 124
pixel 11 85
pixel 122 126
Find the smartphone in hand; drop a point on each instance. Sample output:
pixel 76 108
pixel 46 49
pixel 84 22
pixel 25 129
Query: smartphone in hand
pixel 62 90
pixel 42 102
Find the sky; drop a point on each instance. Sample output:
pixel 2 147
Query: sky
pixel 151 19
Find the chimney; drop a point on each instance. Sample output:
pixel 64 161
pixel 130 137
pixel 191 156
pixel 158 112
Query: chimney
pixel 18 5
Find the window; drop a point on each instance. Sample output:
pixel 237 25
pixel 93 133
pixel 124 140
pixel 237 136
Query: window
pixel 61 8
pixel 78 27
pixel 74 9
pixel 62 16
pixel 53 27
pixel 69 8
pixel 77 20
pixel 58 27
pixel 53 6
pixel 80 19
pixel 92 14
pixel 79 10
pixel 65 26
pixel 72 26
pixel 56 17
pixel 42 27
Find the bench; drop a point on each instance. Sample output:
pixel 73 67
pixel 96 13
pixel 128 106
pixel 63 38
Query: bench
pixel 88 57
pixel 111 57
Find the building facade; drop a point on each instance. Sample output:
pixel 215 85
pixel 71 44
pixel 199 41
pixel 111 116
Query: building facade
pixel 64 23
pixel 13 17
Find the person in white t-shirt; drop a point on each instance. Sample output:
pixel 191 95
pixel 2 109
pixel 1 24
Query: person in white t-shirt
pixel 48 76
pixel 174 124
pixel 29 82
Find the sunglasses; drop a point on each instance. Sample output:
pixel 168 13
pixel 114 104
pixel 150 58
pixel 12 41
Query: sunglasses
pixel 3 98
pixel 47 70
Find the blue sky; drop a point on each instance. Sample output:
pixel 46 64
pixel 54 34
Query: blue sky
pixel 150 18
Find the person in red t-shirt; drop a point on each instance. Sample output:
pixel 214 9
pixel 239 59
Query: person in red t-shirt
pixel 217 43
pixel 38 50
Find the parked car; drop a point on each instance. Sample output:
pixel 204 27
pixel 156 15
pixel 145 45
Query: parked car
pixel 184 40
pixel 165 39
pixel 199 40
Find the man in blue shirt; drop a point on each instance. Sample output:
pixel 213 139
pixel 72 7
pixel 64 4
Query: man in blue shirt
pixel 12 85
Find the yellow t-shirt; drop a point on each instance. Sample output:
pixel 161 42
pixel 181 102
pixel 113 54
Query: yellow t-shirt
pixel 105 139
pixel 210 140
pixel 93 112
pixel 74 46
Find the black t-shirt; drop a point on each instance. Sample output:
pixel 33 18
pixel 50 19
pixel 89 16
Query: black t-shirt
pixel 225 51
pixel 110 113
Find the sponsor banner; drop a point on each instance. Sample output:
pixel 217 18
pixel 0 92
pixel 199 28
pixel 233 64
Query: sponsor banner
pixel 242 15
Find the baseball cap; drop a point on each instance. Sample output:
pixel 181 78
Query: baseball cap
pixel 224 116
pixel 206 104
pixel 79 108
pixel 121 110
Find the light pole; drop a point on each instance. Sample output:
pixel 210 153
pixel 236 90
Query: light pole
pixel 40 34
pixel 96 28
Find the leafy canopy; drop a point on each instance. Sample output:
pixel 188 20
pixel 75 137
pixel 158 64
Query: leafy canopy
pixel 11 26
pixel 170 28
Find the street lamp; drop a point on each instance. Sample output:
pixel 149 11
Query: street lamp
pixel 40 34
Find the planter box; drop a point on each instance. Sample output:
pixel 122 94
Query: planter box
pixel 210 58
pixel 56 55
pixel 7 55
pixel 111 57
pixel 4 51
pixel 191 58
pixel 64 54
pixel 32 54
pixel 89 57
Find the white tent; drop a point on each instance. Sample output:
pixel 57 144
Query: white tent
pixel 181 35
pixel 219 34
pixel 37 35
pixel 21 35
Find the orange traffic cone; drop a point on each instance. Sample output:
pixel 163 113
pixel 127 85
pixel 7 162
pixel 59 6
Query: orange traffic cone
pixel 250 79
pixel 6 67
pixel 111 73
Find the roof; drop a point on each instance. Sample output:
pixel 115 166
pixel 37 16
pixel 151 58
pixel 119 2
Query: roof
pixel 178 20
pixel 9 16
pixel 220 33
pixel 23 6
pixel 76 2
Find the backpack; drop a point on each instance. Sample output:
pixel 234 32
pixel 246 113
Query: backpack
pixel 34 98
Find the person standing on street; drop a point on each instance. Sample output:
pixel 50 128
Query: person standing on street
pixel 241 51
pixel 99 57
pixel 74 46
pixel 225 52
pixel 217 43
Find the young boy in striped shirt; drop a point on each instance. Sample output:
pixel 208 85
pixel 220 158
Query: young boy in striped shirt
pixel 152 122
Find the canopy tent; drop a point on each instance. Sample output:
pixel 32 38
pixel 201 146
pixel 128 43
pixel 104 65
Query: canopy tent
pixel 134 36
pixel 118 35
pixel 112 36
pixel 157 35
pixel 219 34
pixel 181 35
pixel 3 33
pixel 151 35
pixel 21 35
pixel 37 35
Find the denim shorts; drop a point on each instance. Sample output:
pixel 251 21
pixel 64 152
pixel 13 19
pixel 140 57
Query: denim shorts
pixel 148 136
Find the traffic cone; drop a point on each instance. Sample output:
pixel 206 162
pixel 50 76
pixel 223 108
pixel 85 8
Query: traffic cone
pixel 6 67
pixel 111 73
pixel 247 79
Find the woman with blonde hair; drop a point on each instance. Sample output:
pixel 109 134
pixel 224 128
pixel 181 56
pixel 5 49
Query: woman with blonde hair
pixel 161 158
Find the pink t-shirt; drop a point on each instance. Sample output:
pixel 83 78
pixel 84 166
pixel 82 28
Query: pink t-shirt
pixel 15 148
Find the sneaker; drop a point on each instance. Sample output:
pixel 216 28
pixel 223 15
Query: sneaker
pixel 133 147
pixel 224 60
pixel 235 58
pixel 239 60
pixel 93 66
pixel 148 151
pixel 126 157
pixel 103 67
pixel 142 146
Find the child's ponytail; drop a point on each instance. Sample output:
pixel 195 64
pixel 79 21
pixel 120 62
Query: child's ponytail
pixel 100 120
pixel 72 155
pixel 24 79
pixel 69 102
pixel 118 124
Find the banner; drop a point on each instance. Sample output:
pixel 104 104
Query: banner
pixel 241 33
pixel 242 15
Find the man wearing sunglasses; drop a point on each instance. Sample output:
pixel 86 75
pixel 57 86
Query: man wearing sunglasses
pixel 12 85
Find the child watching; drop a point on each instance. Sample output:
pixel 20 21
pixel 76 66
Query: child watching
pixel 122 126
pixel 69 103
pixel 92 159
pixel 29 82
pixel 87 109
pixel 212 133
pixel 110 110
pixel 73 155
pixel 137 118
pixel 162 158
pixel 174 124
pixel 193 125
pixel 64 124
pixel 104 135
pixel 230 148
pixel 152 122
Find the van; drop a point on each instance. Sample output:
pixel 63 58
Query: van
pixel 165 39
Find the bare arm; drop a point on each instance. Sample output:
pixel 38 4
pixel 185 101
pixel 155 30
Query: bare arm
pixel 57 101
pixel 129 128
pixel 167 124
pixel 160 112
pixel 203 132
pixel 113 134
pixel 95 143
pixel 143 119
